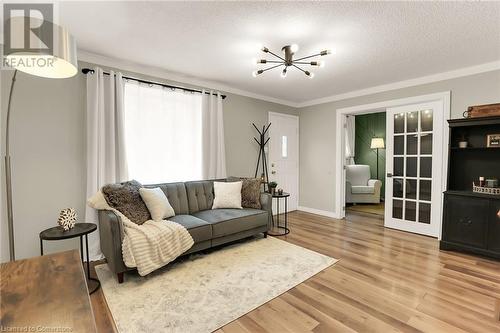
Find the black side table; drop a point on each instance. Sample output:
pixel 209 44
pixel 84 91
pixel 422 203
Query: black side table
pixel 79 230
pixel 284 227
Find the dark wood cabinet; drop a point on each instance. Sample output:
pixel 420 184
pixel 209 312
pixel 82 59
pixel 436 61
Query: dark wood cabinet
pixel 471 221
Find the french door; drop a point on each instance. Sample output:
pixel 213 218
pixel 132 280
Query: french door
pixel 414 157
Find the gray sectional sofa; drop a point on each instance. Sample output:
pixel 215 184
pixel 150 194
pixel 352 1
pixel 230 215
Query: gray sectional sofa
pixel 192 202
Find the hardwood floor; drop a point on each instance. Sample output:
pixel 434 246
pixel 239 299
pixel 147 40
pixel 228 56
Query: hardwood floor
pixel 377 209
pixel 385 281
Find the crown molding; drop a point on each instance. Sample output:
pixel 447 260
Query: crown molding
pixel 160 73
pixel 466 71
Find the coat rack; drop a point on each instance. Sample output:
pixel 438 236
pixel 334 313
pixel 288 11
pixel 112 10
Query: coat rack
pixel 262 141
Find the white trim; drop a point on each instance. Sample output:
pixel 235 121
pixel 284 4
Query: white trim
pixel 163 74
pixel 269 113
pixel 466 71
pixel 318 212
pixel 160 73
pixel 444 97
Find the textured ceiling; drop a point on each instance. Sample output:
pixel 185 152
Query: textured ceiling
pixel 375 43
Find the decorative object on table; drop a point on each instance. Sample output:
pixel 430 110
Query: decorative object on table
pixel 486 110
pixel 80 230
pixel 493 141
pixel 67 218
pixel 493 182
pixel 377 143
pixel 287 60
pixel 280 191
pixel 272 187
pixel 62 57
pixel 276 222
pixel 486 190
pixel 262 142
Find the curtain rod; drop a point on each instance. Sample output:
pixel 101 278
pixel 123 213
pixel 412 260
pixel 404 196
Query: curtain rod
pixel 88 70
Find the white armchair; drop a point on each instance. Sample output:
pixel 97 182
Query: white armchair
pixel 359 187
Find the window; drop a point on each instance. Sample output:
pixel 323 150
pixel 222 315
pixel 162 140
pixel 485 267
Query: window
pixel 163 133
pixel 284 146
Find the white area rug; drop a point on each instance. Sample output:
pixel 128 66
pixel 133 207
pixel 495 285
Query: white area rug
pixel 204 292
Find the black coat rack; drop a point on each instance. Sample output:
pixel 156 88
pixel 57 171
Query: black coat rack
pixel 262 141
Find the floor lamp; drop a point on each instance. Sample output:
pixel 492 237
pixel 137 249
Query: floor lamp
pixel 377 143
pixel 58 64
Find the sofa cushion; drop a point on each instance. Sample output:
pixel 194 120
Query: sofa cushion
pixel 362 189
pixel 250 191
pixel 227 195
pixel 157 203
pixel 198 229
pixel 230 221
pixel 200 195
pixel 126 199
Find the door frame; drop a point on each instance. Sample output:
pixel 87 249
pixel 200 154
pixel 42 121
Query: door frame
pixel 269 113
pixel 444 97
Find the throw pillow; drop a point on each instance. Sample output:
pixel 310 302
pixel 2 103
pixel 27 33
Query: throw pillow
pixel 227 195
pixel 125 197
pixel 250 192
pixel 157 203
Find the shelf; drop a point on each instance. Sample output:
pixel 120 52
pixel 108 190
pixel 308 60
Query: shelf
pixel 473 194
pixel 477 148
pixel 474 121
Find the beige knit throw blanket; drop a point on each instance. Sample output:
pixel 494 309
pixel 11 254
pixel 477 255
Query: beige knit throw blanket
pixel 148 246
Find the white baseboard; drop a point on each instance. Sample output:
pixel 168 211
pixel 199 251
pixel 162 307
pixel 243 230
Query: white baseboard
pixel 318 212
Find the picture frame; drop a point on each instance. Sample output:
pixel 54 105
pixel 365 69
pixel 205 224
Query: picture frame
pixel 493 141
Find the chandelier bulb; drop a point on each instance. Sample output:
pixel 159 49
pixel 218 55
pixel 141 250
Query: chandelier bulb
pixel 265 49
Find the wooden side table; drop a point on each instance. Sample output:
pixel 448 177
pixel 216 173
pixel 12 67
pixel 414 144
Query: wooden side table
pixel 284 227
pixel 79 230
pixel 45 294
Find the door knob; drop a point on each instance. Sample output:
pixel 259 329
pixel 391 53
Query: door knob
pixel 273 172
pixel 389 175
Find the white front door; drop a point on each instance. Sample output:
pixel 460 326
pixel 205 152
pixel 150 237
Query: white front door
pixel 414 157
pixel 284 156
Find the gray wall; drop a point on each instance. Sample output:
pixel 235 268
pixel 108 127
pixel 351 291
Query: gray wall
pixel 318 137
pixel 48 151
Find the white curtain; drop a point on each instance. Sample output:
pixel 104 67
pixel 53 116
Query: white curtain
pixel 350 136
pixel 163 129
pixel 106 159
pixel 214 153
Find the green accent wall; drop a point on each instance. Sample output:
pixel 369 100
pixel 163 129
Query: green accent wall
pixel 369 126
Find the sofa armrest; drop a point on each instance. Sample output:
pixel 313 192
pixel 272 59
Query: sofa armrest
pixel 375 183
pixel 266 201
pixel 111 237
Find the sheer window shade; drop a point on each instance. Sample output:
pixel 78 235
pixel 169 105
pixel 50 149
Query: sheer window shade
pixel 163 134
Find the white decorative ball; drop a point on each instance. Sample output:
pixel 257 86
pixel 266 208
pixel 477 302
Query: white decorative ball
pixel 67 218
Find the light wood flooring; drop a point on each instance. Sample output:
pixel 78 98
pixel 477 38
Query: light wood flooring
pixel 385 281
pixel 377 209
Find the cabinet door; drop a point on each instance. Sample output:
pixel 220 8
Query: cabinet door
pixel 494 228
pixel 466 220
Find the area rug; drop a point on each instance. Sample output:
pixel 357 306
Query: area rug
pixel 204 292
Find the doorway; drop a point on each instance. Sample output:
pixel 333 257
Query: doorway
pixel 284 155
pixel 365 162
pixel 439 103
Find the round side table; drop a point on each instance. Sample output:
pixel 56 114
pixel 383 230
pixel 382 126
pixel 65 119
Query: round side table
pixel 284 227
pixel 79 230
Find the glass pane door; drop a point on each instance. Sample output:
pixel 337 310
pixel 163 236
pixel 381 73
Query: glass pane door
pixel 415 157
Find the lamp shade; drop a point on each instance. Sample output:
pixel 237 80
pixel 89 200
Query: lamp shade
pixel 60 63
pixel 377 143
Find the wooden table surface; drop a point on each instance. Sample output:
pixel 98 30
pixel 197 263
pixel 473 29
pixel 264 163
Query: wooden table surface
pixel 47 292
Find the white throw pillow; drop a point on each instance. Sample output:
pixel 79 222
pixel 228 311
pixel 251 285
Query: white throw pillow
pixel 227 195
pixel 157 203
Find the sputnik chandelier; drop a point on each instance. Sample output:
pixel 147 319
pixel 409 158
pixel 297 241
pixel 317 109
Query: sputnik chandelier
pixel 289 61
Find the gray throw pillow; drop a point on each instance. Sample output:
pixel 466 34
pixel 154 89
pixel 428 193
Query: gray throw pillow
pixel 250 191
pixel 125 198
